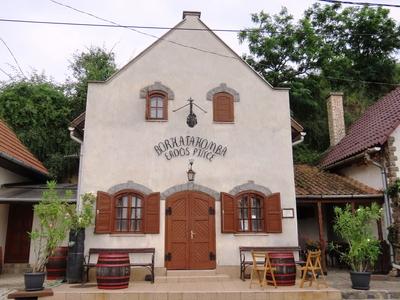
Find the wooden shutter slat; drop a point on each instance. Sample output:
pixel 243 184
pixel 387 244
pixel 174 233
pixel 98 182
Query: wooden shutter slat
pixel 223 107
pixel 228 213
pixel 273 213
pixel 103 213
pixel 152 213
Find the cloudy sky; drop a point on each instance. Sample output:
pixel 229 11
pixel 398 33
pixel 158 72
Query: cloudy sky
pixel 49 48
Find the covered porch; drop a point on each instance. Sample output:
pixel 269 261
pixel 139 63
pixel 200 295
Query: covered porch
pixel 317 193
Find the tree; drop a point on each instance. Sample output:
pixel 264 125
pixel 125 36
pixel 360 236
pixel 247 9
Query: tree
pixel 94 64
pixel 329 49
pixel 39 112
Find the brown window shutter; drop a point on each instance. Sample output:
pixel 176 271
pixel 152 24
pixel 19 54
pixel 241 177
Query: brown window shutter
pixel 228 213
pixel 273 213
pixel 152 213
pixel 223 107
pixel 103 213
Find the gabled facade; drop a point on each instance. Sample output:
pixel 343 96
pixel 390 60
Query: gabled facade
pixel 138 143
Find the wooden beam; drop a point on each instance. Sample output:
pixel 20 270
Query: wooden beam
pixel 321 235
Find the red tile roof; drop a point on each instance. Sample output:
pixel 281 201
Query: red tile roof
pixel 372 129
pixel 310 180
pixel 12 149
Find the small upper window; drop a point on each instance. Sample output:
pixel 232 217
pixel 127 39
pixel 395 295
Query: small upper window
pixel 157 106
pixel 223 107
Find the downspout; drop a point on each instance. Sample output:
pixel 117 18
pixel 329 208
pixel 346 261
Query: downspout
pixel 388 213
pixel 80 142
pixel 302 135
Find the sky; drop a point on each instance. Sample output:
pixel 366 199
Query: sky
pixel 50 48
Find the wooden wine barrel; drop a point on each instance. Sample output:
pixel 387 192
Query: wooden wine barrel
pixel 57 264
pixel 285 273
pixel 113 271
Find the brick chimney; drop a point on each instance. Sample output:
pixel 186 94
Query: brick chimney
pixel 337 128
pixel 191 13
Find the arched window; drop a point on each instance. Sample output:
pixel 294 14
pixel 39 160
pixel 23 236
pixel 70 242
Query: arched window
pixel 128 212
pixel 223 110
pixel 250 212
pixel 156 106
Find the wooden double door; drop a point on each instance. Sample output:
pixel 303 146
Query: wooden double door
pixel 190 231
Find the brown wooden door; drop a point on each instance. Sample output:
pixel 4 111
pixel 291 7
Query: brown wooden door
pixel 190 231
pixel 20 217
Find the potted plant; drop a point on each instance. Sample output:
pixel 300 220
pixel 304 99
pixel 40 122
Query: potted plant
pixel 363 247
pixel 81 218
pixel 52 230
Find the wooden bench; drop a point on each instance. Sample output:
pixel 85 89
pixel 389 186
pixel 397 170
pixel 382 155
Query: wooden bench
pixel 93 251
pixel 245 255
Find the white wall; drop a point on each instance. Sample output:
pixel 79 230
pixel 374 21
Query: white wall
pixel 119 142
pixel 367 174
pixel 7 176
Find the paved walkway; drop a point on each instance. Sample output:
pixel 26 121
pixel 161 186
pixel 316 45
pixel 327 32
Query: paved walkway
pixel 382 287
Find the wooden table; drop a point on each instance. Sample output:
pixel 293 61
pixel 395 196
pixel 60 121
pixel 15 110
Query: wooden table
pixel 24 295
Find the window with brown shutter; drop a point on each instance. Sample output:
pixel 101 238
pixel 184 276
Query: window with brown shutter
pixel 223 110
pixel 273 213
pixel 103 213
pixel 152 213
pixel 228 213
pixel 156 106
pixel 251 211
pixel 127 211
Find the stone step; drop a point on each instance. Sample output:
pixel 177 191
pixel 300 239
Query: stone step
pixel 11 268
pixel 192 278
pixel 191 272
pixel 197 294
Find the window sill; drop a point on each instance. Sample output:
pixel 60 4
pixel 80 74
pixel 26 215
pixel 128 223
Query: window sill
pixel 155 120
pixel 216 122
pixel 251 234
pixel 127 234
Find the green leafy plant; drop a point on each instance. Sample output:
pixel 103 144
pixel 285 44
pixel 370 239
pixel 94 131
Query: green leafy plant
pixel 83 217
pixel 356 230
pixel 54 224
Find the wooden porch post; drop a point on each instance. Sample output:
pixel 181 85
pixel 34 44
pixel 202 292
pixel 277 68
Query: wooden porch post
pixel 321 235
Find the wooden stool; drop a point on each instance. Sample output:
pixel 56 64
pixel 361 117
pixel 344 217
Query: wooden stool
pixel 24 295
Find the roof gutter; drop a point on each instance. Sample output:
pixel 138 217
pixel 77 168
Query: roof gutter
pixel 302 135
pixel 352 158
pixel 72 135
pixel 352 196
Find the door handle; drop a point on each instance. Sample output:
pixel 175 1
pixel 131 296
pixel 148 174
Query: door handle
pixel 192 234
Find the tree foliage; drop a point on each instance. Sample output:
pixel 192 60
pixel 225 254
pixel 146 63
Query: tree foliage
pixel 329 49
pixel 94 64
pixel 39 112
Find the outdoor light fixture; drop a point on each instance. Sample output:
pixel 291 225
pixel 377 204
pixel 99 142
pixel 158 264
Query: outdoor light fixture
pixel 191 119
pixel 190 172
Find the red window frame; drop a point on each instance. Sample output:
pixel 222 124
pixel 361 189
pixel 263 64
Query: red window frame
pixel 163 108
pixel 131 208
pixel 250 218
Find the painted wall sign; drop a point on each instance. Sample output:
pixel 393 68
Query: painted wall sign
pixel 189 146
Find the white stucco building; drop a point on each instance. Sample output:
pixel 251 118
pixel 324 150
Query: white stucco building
pixel 137 146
